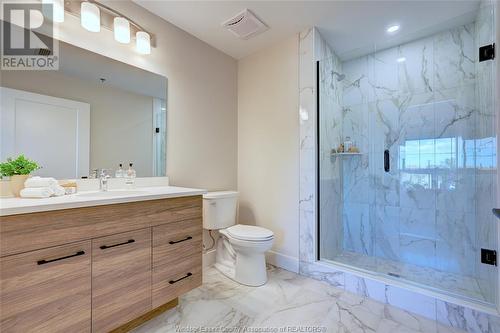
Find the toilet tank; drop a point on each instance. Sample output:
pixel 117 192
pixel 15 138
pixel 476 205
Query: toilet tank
pixel 219 209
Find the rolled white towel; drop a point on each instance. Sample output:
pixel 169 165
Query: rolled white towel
pixel 36 192
pixel 58 190
pixel 40 182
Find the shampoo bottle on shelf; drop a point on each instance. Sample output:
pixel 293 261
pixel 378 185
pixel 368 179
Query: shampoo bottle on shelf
pixel 130 175
pixel 347 145
pixel 120 173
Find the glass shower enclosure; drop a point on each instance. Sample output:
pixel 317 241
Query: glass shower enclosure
pixel 413 199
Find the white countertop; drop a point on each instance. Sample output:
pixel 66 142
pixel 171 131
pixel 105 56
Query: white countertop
pixel 13 206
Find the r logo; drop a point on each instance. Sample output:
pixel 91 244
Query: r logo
pixel 27 37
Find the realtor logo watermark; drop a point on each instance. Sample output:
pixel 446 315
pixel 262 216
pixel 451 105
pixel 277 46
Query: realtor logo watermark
pixel 27 37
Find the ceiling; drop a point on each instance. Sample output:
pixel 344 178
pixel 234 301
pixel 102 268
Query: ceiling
pixel 91 67
pixel 350 27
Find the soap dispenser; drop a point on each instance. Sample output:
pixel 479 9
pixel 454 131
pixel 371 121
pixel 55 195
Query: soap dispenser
pixel 130 175
pixel 120 173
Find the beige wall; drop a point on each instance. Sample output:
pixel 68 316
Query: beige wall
pixel 268 143
pixel 202 95
pixel 121 122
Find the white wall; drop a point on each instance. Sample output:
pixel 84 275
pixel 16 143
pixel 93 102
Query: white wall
pixel 202 95
pixel 268 145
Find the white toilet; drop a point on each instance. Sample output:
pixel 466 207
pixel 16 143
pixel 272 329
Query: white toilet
pixel 240 248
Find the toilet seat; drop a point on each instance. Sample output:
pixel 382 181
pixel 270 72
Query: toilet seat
pixel 249 233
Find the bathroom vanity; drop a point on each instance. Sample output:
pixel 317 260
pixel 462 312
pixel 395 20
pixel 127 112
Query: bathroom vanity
pixel 97 261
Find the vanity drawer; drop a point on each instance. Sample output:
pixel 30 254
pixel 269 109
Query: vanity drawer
pixel 176 278
pixel 27 232
pixel 47 290
pixel 176 240
pixel 121 279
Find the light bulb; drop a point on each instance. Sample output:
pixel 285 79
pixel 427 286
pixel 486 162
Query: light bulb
pixel 143 42
pixel 90 17
pixel 121 30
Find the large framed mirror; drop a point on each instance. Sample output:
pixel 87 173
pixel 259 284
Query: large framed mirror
pixel 92 113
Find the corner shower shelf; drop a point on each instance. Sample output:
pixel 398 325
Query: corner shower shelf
pixel 346 154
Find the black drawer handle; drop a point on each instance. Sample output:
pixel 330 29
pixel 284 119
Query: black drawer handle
pixel 104 247
pixel 182 240
pixel 182 278
pixel 43 261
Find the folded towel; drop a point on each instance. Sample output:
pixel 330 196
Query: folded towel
pixel 58 190
pixel 36 192
pixel 40 182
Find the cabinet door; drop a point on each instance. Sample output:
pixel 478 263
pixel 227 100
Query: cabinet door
pixel 121 279
pixel 47 290
pixel 177 265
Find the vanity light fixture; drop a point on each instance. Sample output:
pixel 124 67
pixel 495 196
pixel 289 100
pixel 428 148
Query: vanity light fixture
pixel 143 42
pixel 121 28
pixel 93 14
pixel 90 17
pixel 401 59
pixel 393 28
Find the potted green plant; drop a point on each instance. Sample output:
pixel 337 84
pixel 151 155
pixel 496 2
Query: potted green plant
pixel 18 170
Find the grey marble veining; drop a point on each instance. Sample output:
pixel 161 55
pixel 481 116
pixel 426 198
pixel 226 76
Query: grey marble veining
pixel 307 132
pixel 288 301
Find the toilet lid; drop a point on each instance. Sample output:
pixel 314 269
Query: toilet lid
pixel 249 232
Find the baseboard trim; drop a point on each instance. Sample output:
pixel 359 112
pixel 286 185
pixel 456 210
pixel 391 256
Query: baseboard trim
pixel 283 261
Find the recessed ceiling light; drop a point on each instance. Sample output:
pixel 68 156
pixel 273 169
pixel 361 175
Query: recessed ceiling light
pixel 393 28
pixel 402 59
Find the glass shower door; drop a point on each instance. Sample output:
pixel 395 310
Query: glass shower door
pixel 486 153
pixel 415 203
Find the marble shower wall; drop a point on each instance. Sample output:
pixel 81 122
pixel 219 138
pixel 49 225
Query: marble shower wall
pixel 307 132
pixel 418 101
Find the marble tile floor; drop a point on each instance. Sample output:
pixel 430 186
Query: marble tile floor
pixel 287 303
pixel 457 285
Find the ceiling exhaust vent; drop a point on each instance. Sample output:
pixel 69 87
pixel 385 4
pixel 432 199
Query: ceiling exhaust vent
pixel 245 25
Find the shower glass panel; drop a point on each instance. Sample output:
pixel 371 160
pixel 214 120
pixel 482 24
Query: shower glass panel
pixel 413 201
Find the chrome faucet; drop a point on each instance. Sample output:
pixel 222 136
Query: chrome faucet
pixel 103 180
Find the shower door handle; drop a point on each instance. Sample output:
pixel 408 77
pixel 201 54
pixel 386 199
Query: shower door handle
pixel 387 162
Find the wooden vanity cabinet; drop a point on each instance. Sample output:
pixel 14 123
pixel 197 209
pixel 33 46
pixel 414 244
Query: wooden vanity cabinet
pixel 47 290
pixel 95 269
pixel 177 259
pixel 121 278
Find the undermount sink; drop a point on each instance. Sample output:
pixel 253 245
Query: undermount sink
pixel 112 193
